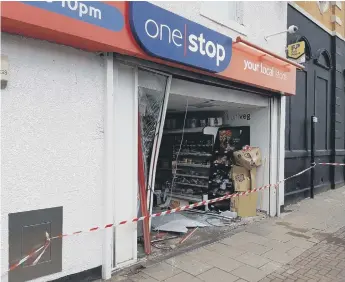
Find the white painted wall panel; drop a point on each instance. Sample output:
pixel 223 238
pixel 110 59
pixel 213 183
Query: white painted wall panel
pixel 125 163
pixel 52 142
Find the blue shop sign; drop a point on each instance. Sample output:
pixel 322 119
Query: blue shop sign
pixel 92 12
pixel 168 36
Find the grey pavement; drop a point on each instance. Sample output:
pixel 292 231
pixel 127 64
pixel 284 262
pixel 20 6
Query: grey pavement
pixel 306 244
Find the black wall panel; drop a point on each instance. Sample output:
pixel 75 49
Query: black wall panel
pixel 319 91
pixel 296 125
pixel 321 105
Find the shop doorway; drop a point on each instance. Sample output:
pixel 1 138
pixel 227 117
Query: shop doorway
pixel 177 118
pixel 199 128
pixel 198 139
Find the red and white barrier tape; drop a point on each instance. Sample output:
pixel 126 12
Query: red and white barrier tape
pixel 24 259
pixel 137 219
pixel 334 164
pixel 46 245
pixel 41 250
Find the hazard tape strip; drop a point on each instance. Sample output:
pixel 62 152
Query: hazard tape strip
pixel 24 259
pixel 41 249
pixel 334 164
pixel 137 219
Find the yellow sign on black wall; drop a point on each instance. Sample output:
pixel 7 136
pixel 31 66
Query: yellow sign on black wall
pixel 296 51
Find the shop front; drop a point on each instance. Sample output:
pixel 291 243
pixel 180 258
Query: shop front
pixel 178 101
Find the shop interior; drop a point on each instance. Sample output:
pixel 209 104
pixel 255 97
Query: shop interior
pixel 198 159
pixel 195 153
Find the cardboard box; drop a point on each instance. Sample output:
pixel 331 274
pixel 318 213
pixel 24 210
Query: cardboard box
pixel 249 158
pixel 176 203
pixel 245 206
pixel 253 178
pixel 256 156
pixel 241 178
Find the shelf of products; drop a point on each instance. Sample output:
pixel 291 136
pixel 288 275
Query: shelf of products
pixel 195 176
pixel 222 164
pixel 203 161
pixel 222 152
pixel 192 184
pixel 228 140
pixel 186 130
pixel 194 160
pixel 195 154
pixel 193 165
pixel 190 198
pixel 195 145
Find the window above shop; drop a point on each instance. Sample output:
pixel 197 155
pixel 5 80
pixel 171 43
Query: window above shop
pixel 323 6
pixel 226 13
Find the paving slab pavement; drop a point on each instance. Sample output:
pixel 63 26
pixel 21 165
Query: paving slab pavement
pixel 307 244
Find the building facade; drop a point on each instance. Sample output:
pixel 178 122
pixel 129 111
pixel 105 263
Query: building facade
pixel 320 92
pixel 70 108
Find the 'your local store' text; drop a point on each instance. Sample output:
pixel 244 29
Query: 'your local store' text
pixel 260 67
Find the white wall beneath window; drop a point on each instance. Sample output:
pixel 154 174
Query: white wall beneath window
pixel 259 18
pixel 52 143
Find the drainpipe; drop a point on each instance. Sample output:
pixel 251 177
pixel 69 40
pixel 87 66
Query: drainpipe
pixel 281 149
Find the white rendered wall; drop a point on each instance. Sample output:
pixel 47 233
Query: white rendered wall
pixel 259 19
pixel 52 143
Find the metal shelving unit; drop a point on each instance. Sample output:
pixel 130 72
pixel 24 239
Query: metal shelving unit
pixel 194 176
pixel 191 184
pixel 186 197
pixel 193 165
